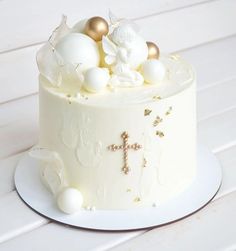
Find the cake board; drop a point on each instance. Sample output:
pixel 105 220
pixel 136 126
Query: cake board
pixel 203 189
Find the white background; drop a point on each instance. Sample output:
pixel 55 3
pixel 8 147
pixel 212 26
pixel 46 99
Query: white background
pixel 204 32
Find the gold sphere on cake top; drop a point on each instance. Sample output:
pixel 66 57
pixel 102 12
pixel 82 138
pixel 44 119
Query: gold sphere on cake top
pixel 96 27
pixel 153 51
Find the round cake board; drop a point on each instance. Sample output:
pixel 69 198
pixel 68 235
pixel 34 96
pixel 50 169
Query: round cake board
pixel 203 189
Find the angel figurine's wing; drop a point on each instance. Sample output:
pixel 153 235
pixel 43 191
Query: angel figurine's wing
pixel 131 23
pixel 110 50
pixel 52 171
pixel 115 21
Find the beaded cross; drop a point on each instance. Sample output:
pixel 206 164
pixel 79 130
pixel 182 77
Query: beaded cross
pixel 125 147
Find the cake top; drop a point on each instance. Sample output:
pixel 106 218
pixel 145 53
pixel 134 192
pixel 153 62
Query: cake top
pixel 109 62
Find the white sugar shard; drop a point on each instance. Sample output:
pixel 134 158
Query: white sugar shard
pixel 52 171
pixel 59 32
pixel 50 63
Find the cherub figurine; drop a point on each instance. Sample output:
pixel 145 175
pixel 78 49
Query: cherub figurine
pixel 125 50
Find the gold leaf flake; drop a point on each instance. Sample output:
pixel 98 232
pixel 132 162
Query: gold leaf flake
pixel 157 121
pixel 83 96
pixel 168 112
pixel 137 199
pixel 160 134
pixel 147 112
pixel 128 190
pixel 144 162
pixel 69 96
pixel 156 97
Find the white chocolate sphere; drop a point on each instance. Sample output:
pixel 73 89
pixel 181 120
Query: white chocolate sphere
pixel 96 79
pixel 139 52
pixel 77 48
pixel 69 200
pixel 153 71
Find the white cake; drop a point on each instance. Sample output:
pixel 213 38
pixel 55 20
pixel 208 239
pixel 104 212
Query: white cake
pixel 123 141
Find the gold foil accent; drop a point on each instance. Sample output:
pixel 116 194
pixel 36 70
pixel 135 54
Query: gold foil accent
pixel 157 121
pixel 69 96
pixel 147 112
pixel 160 134
pixel 137 199
pixel 144 162
pixel 85 97
pixel 168 112
pixel 125 147
pixel 153 50
pixel 156 97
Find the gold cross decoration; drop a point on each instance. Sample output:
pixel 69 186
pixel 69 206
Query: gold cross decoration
pixel 125 147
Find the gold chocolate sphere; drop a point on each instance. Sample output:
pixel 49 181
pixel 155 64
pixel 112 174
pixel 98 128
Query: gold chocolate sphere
pixel 96 27
pixel 153 51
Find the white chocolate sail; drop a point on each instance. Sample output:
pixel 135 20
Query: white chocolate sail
pixel 52 168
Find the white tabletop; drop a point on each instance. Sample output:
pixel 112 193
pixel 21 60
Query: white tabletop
pixel 202 31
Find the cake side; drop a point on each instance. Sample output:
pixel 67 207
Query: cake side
pixel 91 143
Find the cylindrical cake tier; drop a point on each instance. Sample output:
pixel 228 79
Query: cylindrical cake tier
pixel 122 156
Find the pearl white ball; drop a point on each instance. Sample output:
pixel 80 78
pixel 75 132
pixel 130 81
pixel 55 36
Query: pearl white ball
pixel 96 79
pixel 77 48
pixel 69 200
pixel 153 71
pixel 139 52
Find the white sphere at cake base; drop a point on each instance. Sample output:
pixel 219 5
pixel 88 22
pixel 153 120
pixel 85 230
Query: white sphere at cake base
pixel 153 71
pixel 138 52
pixel 96 79
pixel 70 200
pixel 79 49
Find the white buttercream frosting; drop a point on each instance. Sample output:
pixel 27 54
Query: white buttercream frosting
pixel 80 129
